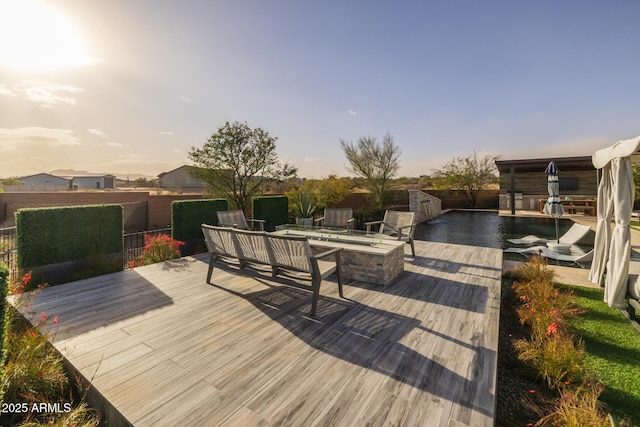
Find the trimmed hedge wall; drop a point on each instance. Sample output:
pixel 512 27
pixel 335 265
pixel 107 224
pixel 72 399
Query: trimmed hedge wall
pixel 273 209
pixel 187 216
pixel 54 235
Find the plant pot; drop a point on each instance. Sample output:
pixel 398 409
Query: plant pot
pixel 305 222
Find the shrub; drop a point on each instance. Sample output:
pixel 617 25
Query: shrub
pixel 556 359
pixel 578 408
pixel 157 249
pixel 187 216
pixel 53 235
pixel 274 210
pixel 33 371
pixel 535 270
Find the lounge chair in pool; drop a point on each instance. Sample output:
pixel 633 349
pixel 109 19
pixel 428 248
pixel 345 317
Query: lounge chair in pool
pixel 236 219
pixel 577 255
pixel 571 237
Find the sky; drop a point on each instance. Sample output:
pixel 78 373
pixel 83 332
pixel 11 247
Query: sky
pixel 130 86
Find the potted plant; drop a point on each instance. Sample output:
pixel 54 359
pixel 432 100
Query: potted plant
pixel 304 209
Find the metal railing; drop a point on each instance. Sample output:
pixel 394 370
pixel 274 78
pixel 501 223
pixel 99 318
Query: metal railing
pixel 8 252
pixel 134 244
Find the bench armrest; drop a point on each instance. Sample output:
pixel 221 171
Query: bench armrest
pixel 327 253
pixel 259 221
pixel 319 219
pixel 370 223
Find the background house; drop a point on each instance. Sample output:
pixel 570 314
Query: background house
pixel 38 183
pixel 44 179
pixel 179 178
pixel 528 182
pixel 93 181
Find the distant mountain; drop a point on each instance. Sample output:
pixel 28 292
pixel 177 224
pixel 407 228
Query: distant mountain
pixel 124 177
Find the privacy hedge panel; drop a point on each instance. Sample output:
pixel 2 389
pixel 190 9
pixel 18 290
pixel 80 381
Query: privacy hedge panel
pixel 187 216
pixel 53 235
pixel 273 209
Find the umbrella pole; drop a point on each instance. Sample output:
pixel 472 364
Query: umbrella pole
pixel 557 234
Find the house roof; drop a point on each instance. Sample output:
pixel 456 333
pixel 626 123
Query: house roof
pixel 538 165
pixel 41 174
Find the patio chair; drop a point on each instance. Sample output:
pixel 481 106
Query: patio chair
pixel 571 237
pixel 236 219
pixel 336 218
pixel 396 225
pixel 577 255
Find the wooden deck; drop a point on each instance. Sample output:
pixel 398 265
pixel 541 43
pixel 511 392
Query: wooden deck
pixel 164 348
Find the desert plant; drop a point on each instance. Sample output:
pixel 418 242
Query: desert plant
pixel 556 359
pixel 303 205
pixel 33 371
pixel 578 407
pixel 536 269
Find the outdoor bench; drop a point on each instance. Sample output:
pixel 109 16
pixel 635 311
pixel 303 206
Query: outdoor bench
pixel 289 253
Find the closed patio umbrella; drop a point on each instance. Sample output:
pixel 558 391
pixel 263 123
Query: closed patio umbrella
pixel 553 207
pixel 603 228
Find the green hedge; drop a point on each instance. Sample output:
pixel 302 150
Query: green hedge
pixel 53 235
pixel 187 216
pixel 273 209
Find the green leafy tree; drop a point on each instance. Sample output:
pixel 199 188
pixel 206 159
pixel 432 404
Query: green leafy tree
pixel 635 168
pixel 236 161
pixel 470 174
pixel 11 181
pixel 376 163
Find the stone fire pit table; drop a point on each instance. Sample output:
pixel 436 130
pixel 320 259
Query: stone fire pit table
pixel 366 257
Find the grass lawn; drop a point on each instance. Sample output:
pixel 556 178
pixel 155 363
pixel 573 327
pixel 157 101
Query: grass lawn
pixel 613 353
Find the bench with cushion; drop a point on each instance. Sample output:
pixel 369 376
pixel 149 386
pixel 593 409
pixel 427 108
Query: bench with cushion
pixel 291 253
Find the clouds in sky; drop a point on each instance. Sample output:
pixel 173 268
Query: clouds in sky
pixel 36 138
pixel 166 132
pixel 353 112
pixel 185 99
pixel 42 92
pixel 97 132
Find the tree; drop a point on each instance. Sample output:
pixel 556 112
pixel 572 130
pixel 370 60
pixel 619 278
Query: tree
pixel 376 163
pixel 635 168
pixel 236 161
pixel 470 174
pixel 11 181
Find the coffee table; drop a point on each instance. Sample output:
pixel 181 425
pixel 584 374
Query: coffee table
pixel 366 257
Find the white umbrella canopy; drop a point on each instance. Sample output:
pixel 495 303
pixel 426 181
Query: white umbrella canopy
pixel 553 207
pixel 603 227
pixel 615 287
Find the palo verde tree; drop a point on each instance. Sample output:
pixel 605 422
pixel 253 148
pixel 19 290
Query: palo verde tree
pixel 470 174
pixel 376 163
pixel 236 161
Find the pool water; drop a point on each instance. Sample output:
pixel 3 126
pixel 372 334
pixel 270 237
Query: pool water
pixel 488 229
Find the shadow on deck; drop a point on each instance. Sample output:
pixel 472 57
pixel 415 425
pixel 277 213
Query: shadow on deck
pixel 164 348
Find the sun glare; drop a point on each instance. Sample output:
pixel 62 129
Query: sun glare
pixel 36 37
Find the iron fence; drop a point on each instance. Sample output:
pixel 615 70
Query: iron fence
pixel 134 244
pixel 8 252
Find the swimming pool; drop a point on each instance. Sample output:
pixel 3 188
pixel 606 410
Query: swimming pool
pixel 488 229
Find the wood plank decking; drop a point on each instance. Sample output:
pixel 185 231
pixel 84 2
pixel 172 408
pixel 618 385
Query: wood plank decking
pixel 164 348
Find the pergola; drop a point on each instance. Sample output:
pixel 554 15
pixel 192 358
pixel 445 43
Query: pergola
pixel 616 191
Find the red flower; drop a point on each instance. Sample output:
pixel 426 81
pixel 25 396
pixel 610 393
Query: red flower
pixel 26 279
pixel 43 316
pixel 552 330
pixel 532 391
pixel 56 320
